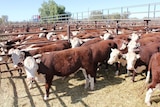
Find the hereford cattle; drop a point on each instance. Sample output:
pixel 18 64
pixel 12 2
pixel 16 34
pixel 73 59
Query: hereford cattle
pixel 60 63
pixel 154 68
pixel 91 41
pixel 57 46
pixel 150 34
pixel 142 57
pixel 145 41
pixel 101 51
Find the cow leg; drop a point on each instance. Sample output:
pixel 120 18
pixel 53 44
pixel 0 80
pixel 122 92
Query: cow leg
pixel 151 87
pixel 148 77
pixel 106 65
pixel 87 80
pixel 117 68
pixel 49 79
pixel 133 76
pixel 148 96
pixel 91 80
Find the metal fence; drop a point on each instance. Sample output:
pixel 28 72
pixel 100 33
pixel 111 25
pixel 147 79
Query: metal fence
pixel 137 12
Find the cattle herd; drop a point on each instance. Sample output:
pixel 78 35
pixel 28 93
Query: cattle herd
pixel 56 51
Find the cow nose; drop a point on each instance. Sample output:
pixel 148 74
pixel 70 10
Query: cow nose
pixel 20 64
pixel 130 68
pixel 15 66
pixel 109 62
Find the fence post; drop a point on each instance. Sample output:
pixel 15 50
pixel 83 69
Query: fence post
pixel 95 24
pixel 68 32
pixel 117 26
pixel 148 10
pixel 147 22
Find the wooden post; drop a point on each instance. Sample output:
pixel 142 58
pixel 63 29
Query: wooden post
pixel 147 22
pixel 117 26
pixel 95 24
pixel 68 32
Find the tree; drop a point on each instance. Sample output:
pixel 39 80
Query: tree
pixel 96 15
pixel 4 18
pixel 51 9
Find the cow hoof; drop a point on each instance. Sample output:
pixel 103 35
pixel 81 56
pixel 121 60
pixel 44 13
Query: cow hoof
pixel 117 73
pixel 45 98
pixel 148 103
pixel 92 89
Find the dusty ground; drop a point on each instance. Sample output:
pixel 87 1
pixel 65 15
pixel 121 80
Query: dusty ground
pixel 110 91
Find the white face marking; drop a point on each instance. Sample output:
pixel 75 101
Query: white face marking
pixel 113 56
pixel 75 42
pixel 131 58
pixel 124 46
pixel 30 66
pixel 17 57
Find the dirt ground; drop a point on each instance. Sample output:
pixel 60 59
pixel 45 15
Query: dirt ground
pixel 110 91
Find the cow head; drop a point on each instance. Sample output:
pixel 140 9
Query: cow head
pixel 30 67
pixel 132 45
pixel 76 42
pixel 134 36
pixel 17 57
pixel 114 56
pixel 131 58
pixel 123 45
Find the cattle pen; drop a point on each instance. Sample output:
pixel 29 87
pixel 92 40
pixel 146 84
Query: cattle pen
pixel 110 90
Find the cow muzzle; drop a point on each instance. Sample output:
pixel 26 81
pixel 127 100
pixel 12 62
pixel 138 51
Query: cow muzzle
pixel 20 64
pixel 130 68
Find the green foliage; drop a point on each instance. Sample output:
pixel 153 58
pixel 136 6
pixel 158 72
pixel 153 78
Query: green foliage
pixel 50 10
pixel 3 19
pixel 96 15
pixel 99 15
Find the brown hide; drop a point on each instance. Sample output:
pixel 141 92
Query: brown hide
pixel 101 50
pixel 65 62
pixel 154 66
pixel 146 40
pixel 53 47
pixel 92 41
pixel 147 51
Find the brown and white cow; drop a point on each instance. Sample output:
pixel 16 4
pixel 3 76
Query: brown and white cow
pixel 154 68
pixel 101 51
pixel 142 57
pixel 60 63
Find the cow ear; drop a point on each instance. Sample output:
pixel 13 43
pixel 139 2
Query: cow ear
pixel 124 56
pixel 111 49
pixel 38 60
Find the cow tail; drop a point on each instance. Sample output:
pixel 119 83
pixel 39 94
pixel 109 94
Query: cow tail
pixel 149 69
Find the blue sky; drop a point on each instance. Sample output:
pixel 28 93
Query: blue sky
pixel 19 10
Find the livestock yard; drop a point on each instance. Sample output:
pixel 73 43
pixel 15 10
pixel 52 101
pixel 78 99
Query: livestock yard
pixel 110 90
pixel 56 51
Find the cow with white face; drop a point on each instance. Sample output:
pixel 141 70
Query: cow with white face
pixel 131 58
pixel 60 63
pixel 134 63
pixel 116 57
pixel 76 42
pixel 17 57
